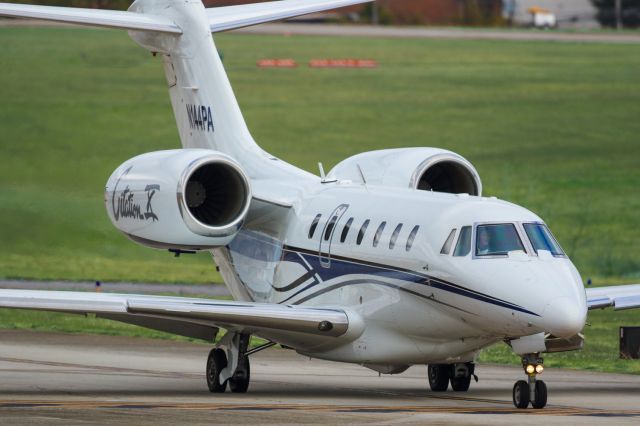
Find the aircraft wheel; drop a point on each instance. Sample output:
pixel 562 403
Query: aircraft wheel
pixel 239 383
pixel 521 394
pixel 216 362
pixel 460 384
pixel 438 377
pixel 540 399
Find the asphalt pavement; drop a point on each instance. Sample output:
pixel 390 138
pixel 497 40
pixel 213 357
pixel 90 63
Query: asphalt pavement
pixel 55 378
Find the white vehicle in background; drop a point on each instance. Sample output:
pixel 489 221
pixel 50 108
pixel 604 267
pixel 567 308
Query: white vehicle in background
pixel 392 259
pixel 542 18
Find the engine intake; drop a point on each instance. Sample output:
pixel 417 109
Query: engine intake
pixel 448 174
pixel 214 196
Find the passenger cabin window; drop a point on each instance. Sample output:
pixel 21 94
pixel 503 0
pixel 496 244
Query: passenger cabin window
pixel 363 229
pixel 329 229
pixel 314 225
pixel 497 239
pixel 345 230
pixel 542 239
pixel 412 237
pixel 446 248
pixel 376 237
pixel 394 236
pixel 463 247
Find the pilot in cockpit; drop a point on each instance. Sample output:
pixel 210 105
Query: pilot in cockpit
pixel 484 242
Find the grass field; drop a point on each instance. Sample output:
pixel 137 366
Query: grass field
pixel 551 126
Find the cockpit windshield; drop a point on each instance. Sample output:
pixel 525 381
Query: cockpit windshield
pixel 497 239
pixel 542 239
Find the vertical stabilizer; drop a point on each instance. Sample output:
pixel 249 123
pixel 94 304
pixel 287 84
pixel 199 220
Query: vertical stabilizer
pixel 206 110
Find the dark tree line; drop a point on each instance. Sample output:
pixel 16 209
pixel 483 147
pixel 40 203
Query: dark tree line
pixel 607 13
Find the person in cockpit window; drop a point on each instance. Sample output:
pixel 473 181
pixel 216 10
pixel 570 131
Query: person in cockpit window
pixel 484 242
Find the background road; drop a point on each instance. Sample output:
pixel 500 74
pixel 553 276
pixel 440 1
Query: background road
pixel 439 33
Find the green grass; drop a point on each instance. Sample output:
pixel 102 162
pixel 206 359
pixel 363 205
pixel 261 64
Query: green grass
pixel 551 126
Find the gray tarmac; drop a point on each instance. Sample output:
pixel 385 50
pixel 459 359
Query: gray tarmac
pixel 55 378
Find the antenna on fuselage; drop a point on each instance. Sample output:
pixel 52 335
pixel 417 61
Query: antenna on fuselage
pixel 361 174
pixel 323 177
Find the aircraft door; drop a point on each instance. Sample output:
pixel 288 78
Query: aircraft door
pixel 328 232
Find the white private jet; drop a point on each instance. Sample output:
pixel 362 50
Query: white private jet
pixel 392 259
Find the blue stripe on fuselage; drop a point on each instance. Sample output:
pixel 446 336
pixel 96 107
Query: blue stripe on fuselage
pixel 341 266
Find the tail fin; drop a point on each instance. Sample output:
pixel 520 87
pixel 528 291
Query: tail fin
pixel 206 110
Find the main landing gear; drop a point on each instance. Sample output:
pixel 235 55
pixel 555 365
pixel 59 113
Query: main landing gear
pixel 533 390
pixel 231 364
pixel 458 374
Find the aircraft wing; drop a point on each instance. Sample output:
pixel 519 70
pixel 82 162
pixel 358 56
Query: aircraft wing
pixel 616 296
pixel 191 317
pixel 220 18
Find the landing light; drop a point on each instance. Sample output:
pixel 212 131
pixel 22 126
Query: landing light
pixel 531 368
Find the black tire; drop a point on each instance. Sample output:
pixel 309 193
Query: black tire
pixel 540 398
pixel 216 362
pixel 438 377
pixel 521 394
pixel 460 384
pixel 240 383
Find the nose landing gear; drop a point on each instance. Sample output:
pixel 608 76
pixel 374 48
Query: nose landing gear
pixel 531 391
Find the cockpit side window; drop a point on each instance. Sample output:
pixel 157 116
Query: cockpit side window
pixel 446 248
pixel 542 239
pixel 497 239
pixel 463 247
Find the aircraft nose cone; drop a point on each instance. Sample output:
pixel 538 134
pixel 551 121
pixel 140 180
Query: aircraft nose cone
pixel 564 317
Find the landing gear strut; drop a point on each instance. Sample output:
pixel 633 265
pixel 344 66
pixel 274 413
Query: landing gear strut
pixel 231 364
pixel 458 374
pixel 533 390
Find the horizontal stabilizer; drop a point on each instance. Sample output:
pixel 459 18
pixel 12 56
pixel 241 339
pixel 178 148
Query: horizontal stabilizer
pixel 230 17
pixel 92 17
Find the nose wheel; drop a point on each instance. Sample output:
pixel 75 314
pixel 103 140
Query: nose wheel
pixel 532 391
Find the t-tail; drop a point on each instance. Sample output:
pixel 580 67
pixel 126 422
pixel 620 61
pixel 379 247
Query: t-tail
pixel 207 113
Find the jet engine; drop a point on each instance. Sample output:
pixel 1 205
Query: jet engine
pixel 185 199
pixel 428 169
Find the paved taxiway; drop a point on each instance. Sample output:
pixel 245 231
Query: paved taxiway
pixel 54 378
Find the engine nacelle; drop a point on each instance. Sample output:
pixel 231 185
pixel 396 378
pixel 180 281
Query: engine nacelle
pixel 190 199
pixel 428 169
